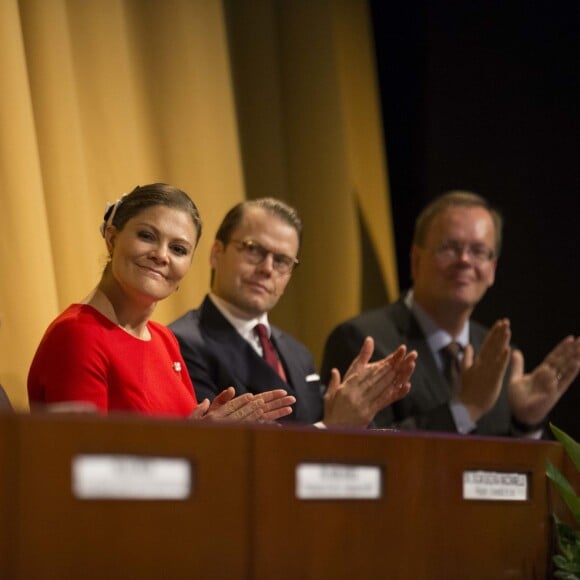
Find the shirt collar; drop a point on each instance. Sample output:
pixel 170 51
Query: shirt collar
pixel 437 338
pixel 235 317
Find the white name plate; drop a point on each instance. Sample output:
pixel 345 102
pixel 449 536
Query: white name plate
pixel 131 477
pixel 338 481
pixel 495 485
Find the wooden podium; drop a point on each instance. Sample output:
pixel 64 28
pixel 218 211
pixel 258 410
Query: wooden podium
pixel 270 503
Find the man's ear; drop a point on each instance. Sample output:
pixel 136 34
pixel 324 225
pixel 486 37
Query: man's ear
pixel 491 278
pixel 415 258
pixel 217 250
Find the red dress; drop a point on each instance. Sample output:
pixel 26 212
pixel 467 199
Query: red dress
pixel 85 357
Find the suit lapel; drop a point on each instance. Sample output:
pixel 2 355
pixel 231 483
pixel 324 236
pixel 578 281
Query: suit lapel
pixel 248 369
pixel 294 374
pixel 427 374
pixel 298 364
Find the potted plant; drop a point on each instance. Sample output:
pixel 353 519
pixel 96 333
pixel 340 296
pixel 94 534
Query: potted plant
pixel 567 561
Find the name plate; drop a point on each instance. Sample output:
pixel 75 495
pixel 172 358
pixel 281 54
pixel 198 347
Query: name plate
pixel 131 477
pixel 495 485
pixel 338 481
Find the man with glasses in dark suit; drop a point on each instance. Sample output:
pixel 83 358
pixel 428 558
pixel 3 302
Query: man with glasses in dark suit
pixel 454 255
pixel 228 340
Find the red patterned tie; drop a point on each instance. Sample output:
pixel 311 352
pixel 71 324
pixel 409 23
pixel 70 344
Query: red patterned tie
pixel 270 354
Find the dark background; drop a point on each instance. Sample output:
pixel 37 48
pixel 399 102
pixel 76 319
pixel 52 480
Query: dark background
pixel 485 96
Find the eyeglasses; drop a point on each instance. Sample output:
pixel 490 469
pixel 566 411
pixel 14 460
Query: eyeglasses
pixel 255 254
pixel 478 253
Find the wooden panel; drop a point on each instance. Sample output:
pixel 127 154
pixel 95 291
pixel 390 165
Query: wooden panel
pixel 243 520
pixel 420 529
pixel 7 494
pixel 63 537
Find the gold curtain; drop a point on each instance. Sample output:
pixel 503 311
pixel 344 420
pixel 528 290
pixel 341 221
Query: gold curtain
pixel 99 96
pixel 311 133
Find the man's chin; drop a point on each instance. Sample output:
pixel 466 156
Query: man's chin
pixel 254 307
pixel 464 299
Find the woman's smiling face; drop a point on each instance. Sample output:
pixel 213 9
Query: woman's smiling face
pixel 153 252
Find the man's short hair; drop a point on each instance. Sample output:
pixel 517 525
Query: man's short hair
pixel 455 198
pixel 269 204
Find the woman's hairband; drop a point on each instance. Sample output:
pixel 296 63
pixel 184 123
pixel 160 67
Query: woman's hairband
pixel 107 221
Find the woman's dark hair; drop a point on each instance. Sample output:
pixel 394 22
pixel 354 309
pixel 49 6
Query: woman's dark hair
pixel 144 196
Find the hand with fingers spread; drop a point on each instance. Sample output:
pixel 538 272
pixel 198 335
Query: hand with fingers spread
pixel 481 379
pixel 277 404
pixel 534 394
pixel 367 387
pixel 262 407
pixel 227 407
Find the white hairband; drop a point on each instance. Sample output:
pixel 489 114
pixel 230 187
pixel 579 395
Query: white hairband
pixel 109 221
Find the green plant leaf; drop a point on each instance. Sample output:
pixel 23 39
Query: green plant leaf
pixel 571 446
pixel 558 478
pixel 567 561
pixel 566 576
pixel 565 490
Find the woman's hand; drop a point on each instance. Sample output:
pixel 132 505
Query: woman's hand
pixel 267 406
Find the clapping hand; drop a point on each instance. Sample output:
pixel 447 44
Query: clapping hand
pixel 263 407
pixel 367 387
pixel 482 378
pixel 534 394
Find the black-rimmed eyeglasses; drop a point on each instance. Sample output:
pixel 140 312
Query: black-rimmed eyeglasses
pixel 254 253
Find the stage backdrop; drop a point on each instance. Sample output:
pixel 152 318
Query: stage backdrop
pixel 227 100
pixel 484 95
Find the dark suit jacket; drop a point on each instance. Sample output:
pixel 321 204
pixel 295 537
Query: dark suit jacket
pixel 5 404
pixel 426 407
pixel 217 357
